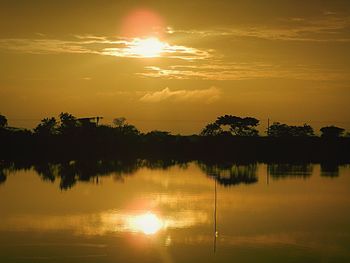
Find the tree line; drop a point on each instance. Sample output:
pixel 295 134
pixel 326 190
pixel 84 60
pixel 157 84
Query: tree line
pixel 67 124
pixel 246 126
pixel 227 138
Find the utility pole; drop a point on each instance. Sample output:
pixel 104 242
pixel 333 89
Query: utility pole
pixel 268 126
pixel 267 174
pixel 215 216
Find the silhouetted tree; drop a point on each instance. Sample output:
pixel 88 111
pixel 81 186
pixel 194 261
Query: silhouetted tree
pixel 278 130
pixel 283 130
pixel 302 131
pixel 129 129
pixel 331 132
pixel 68 123
pixel 48 126
pixel 239 126
pixel 120 121
pixel 125 128
pixel 212 129
pixel 3 121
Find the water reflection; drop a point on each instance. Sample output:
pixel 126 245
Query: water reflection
pixel 330 169
pixel 5 169
pixel 147 223
pixel 229 174
pixel 163 212
pixel 225 173
pixel 107 222
pixel 283 170
pixel 3 177
pixel 70 172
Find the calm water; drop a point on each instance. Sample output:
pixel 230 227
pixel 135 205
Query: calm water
pixel 163 213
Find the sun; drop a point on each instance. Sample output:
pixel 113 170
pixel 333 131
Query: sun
pixel 148 47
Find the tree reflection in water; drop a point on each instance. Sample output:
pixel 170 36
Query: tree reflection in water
pixel 283 170
pixel 330 169
pixel 225 173
pixel 71 172
pixel 229 173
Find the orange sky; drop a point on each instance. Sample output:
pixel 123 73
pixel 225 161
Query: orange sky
pixel 284 60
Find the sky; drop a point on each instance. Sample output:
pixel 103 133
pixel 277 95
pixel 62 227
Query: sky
pixel 176 65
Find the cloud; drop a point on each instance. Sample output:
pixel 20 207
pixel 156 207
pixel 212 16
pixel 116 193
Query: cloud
pixel 197 63
pixel 207 95
pixel 221 71
pixel 326 29
pixel 99 45
pixel 168 51
pixel 43 46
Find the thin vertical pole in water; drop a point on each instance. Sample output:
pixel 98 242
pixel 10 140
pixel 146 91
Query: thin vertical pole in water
pixel 267 166
pixel 215 221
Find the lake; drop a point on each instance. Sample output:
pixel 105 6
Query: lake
pixel 174 212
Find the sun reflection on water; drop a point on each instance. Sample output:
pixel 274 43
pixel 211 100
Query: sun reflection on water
pixel 147 223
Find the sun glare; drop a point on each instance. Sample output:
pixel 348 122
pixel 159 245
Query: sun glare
pixel 148 223
pixel 147 48
pixel 142 23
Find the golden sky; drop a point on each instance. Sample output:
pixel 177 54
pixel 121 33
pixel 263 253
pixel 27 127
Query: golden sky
pixel 176 65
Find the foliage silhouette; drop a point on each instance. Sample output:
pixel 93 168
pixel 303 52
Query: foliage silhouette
pixel 212 129
pixel 3 121
pixel 237 126
pixel 47 127
pixel 69 123
pixel 331 132
pixel 283 130
pixel 120 121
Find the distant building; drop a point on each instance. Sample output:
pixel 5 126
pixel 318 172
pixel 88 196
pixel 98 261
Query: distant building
pixel 89 121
